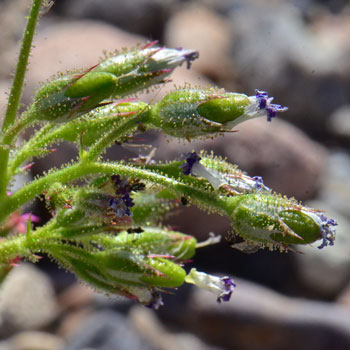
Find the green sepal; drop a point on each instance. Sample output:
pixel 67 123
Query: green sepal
pixel 272 219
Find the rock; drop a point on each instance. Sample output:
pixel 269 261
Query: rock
pixel 106 330
pixel 5 345
pixel 36 340
pixel 288 161
pixel 76 296
pixel 200 28
pixel 344 297
pixel 4 91
pixel 258 318
pixel 336 182
pixel 326 271
pixel 274 50
pixel 27 300
pixel 146 17
pixel 339 122
pixel 12 15
pixel 147 324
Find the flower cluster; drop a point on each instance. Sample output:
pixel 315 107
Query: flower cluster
pixel 106 224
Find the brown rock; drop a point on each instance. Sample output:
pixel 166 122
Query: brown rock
pixel 36 341
pixel 259 318
pixel 199 28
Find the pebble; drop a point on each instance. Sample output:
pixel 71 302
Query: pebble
pixel 326 271
pixel 259 318
pixel 106 330
pixel 27 300
pixel 200 28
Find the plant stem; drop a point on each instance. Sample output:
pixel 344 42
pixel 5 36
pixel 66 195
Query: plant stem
pixel 16 92
pixel 84 169
pixel 114 135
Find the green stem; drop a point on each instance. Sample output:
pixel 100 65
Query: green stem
pixel 22 64
pixel 124 129
pixel 25 245
pixel 80 170
pixel 16 91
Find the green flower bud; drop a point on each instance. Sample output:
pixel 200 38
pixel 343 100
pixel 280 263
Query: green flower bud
pixel 159 241
pixel 267 219
pixel 70 96
pixel 150 208
pixel 193 113
pixel 119 271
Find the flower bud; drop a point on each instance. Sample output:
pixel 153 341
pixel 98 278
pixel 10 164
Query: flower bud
pixel 162 242
pixel 70 96
pixel 120 271
pixel 276 221
pixel 193 113
pixel 221 174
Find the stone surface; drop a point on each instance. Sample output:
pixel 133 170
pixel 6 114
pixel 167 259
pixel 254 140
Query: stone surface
pixel 145 17
pixel 200 28
pixel 106 330
pixel 36 341
pixel 258 318
pixel 326 271
pixel 148 325
pixel 336 182
pixel 339 122
pixel 27 300
pixel 307 68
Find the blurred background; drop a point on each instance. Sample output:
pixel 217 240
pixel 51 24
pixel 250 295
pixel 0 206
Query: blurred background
pixel 298 51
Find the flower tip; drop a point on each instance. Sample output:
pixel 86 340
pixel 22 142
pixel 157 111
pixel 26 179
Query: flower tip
pixel 264 103
pixel 189 56
pixel 327 231
pixel 191 159
pixel 156 301
pixel 223 286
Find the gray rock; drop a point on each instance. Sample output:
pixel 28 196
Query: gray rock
pixel 339 122
pixel 258 318
pixel 106 330
pixel 147 324
pixel 145 17
pixel 275 50
pixel 27 300
pixel 336 183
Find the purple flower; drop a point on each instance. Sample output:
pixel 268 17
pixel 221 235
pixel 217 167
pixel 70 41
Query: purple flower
pixel 264 102
pixel 121 205
pixel 156 301
pixel 191 159
pixel 223 287
pixel 327 231
pixel 229 286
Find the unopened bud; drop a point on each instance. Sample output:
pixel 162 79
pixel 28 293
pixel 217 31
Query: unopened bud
pixel 70 96
pixel 193 113
pixel 276 221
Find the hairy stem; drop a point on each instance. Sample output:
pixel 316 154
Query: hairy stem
pixel 16 91
pixel 84 169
